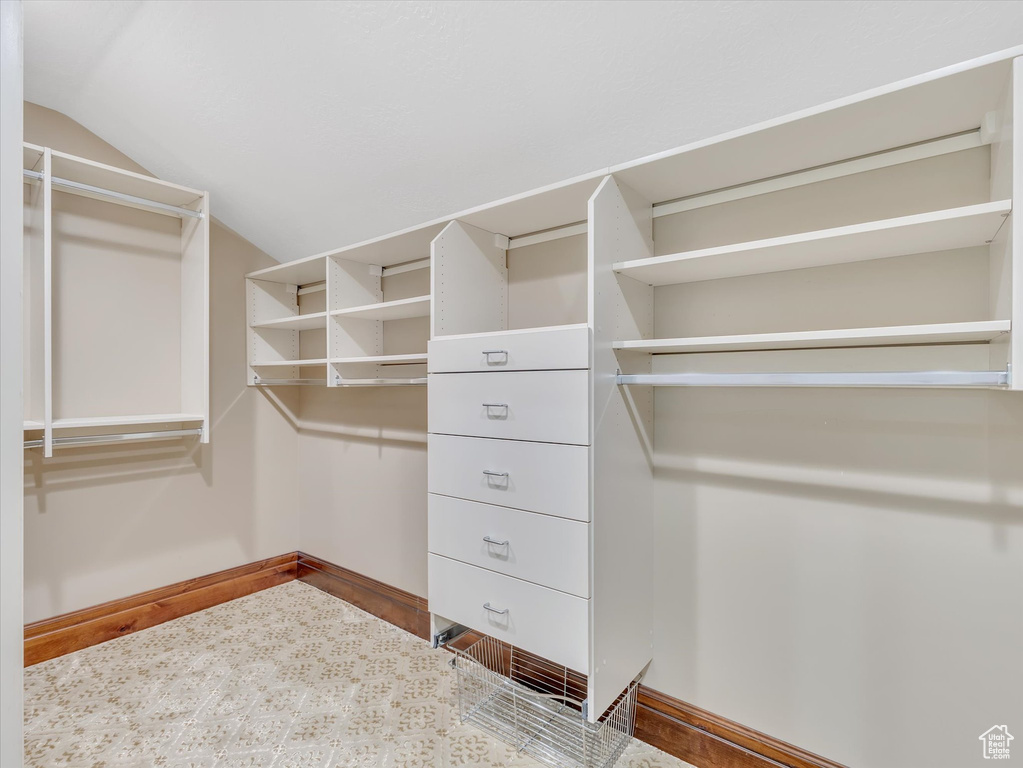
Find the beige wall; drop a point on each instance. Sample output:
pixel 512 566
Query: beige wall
pixel 102 523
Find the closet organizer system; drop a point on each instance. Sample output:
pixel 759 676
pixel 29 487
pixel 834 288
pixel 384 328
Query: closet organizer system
pixel 116 296
pixel 866 243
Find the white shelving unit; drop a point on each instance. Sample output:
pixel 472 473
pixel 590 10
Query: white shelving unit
pixel 77 350
pixel 865 243
pixel 923 199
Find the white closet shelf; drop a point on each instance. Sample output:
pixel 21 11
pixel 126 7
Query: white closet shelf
pixel 969 226
pixel 309 322
pixel 127 421
pixel 410 359
pixel 312 269
pixel 288 363
pixel 30 424
pixel 82 171
pixel 938 333
pixel 400 309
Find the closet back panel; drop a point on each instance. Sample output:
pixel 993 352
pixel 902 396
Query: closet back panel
pixel 547 283
pixel 117 309
pixel 945 181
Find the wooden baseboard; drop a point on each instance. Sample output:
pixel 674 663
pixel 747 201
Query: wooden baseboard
pixel 692 734
pixel 50 638
pixel 711 741
pixel 401 608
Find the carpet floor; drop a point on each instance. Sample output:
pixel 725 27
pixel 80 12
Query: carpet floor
pixel 289 677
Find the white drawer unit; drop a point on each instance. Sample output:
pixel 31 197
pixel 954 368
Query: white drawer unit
pixel 549 551
pixel 540 477
pixel 539 481
pixel 544 406
pixel 549 623
pixel 526 350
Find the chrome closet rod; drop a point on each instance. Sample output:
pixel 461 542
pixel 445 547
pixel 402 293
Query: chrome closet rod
pixel 822 379
pixel 76 185
pixel 127 437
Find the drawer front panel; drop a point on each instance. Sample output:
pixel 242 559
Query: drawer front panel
pixel 540 620
pixel 512 351
pixel 539 477
pixel 549 551
pixel 544 406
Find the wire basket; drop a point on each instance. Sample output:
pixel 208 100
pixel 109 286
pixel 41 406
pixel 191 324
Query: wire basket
pixel 536 706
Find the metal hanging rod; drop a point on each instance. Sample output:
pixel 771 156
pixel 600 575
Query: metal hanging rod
pixel 128 437
pixel 339 382
pixel 925 149
pixel 289 382
pixel 409 267
pixel 823 379
pixel 123 196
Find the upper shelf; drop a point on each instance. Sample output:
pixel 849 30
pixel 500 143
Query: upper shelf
pixel 127 421
pixel 309 322
pixel 940 103
pixel 82 171
pixel 965 227
pixel 937 333
pixel 400 309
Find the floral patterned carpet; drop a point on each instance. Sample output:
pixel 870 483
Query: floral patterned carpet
pixel 290 677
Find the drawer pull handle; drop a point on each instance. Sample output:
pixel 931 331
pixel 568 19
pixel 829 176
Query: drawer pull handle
pixel 494 610
pixel 488 352
pixel 495 542
pixel 495 405
pixel 488 473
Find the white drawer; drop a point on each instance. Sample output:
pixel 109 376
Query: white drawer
pixel 545 406
pixel 525 350
pixel 551 624
pixel 541 477
pixel 549 551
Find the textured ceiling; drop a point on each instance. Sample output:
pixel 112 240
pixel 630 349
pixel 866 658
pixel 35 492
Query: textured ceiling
pixel 319 124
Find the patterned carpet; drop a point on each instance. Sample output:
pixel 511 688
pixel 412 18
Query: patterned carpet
pixel 289 677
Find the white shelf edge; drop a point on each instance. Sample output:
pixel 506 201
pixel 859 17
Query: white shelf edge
pixel 287 363
pixel 397 308
pixel 30 424
pixel 835 235
pixel 899 335
pixel 287 323
pixel 127 421
pixel 406 359
pixel 514 332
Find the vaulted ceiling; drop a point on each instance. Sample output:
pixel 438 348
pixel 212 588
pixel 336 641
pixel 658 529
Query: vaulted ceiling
pixel 319 124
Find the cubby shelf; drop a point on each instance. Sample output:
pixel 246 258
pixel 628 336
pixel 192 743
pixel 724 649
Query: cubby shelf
pixel 309 322
pixel 127 421
pixel 965 227
pixel 288 363
pixel 400 309
pixel 408 359
pixel 938 333
pixel 30 424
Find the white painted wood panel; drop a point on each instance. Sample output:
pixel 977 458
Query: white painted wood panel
pixel 521 350
pixel 621 536
pixel 549 551
pixel 541 477
pixel 543 406
pixel 543 621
